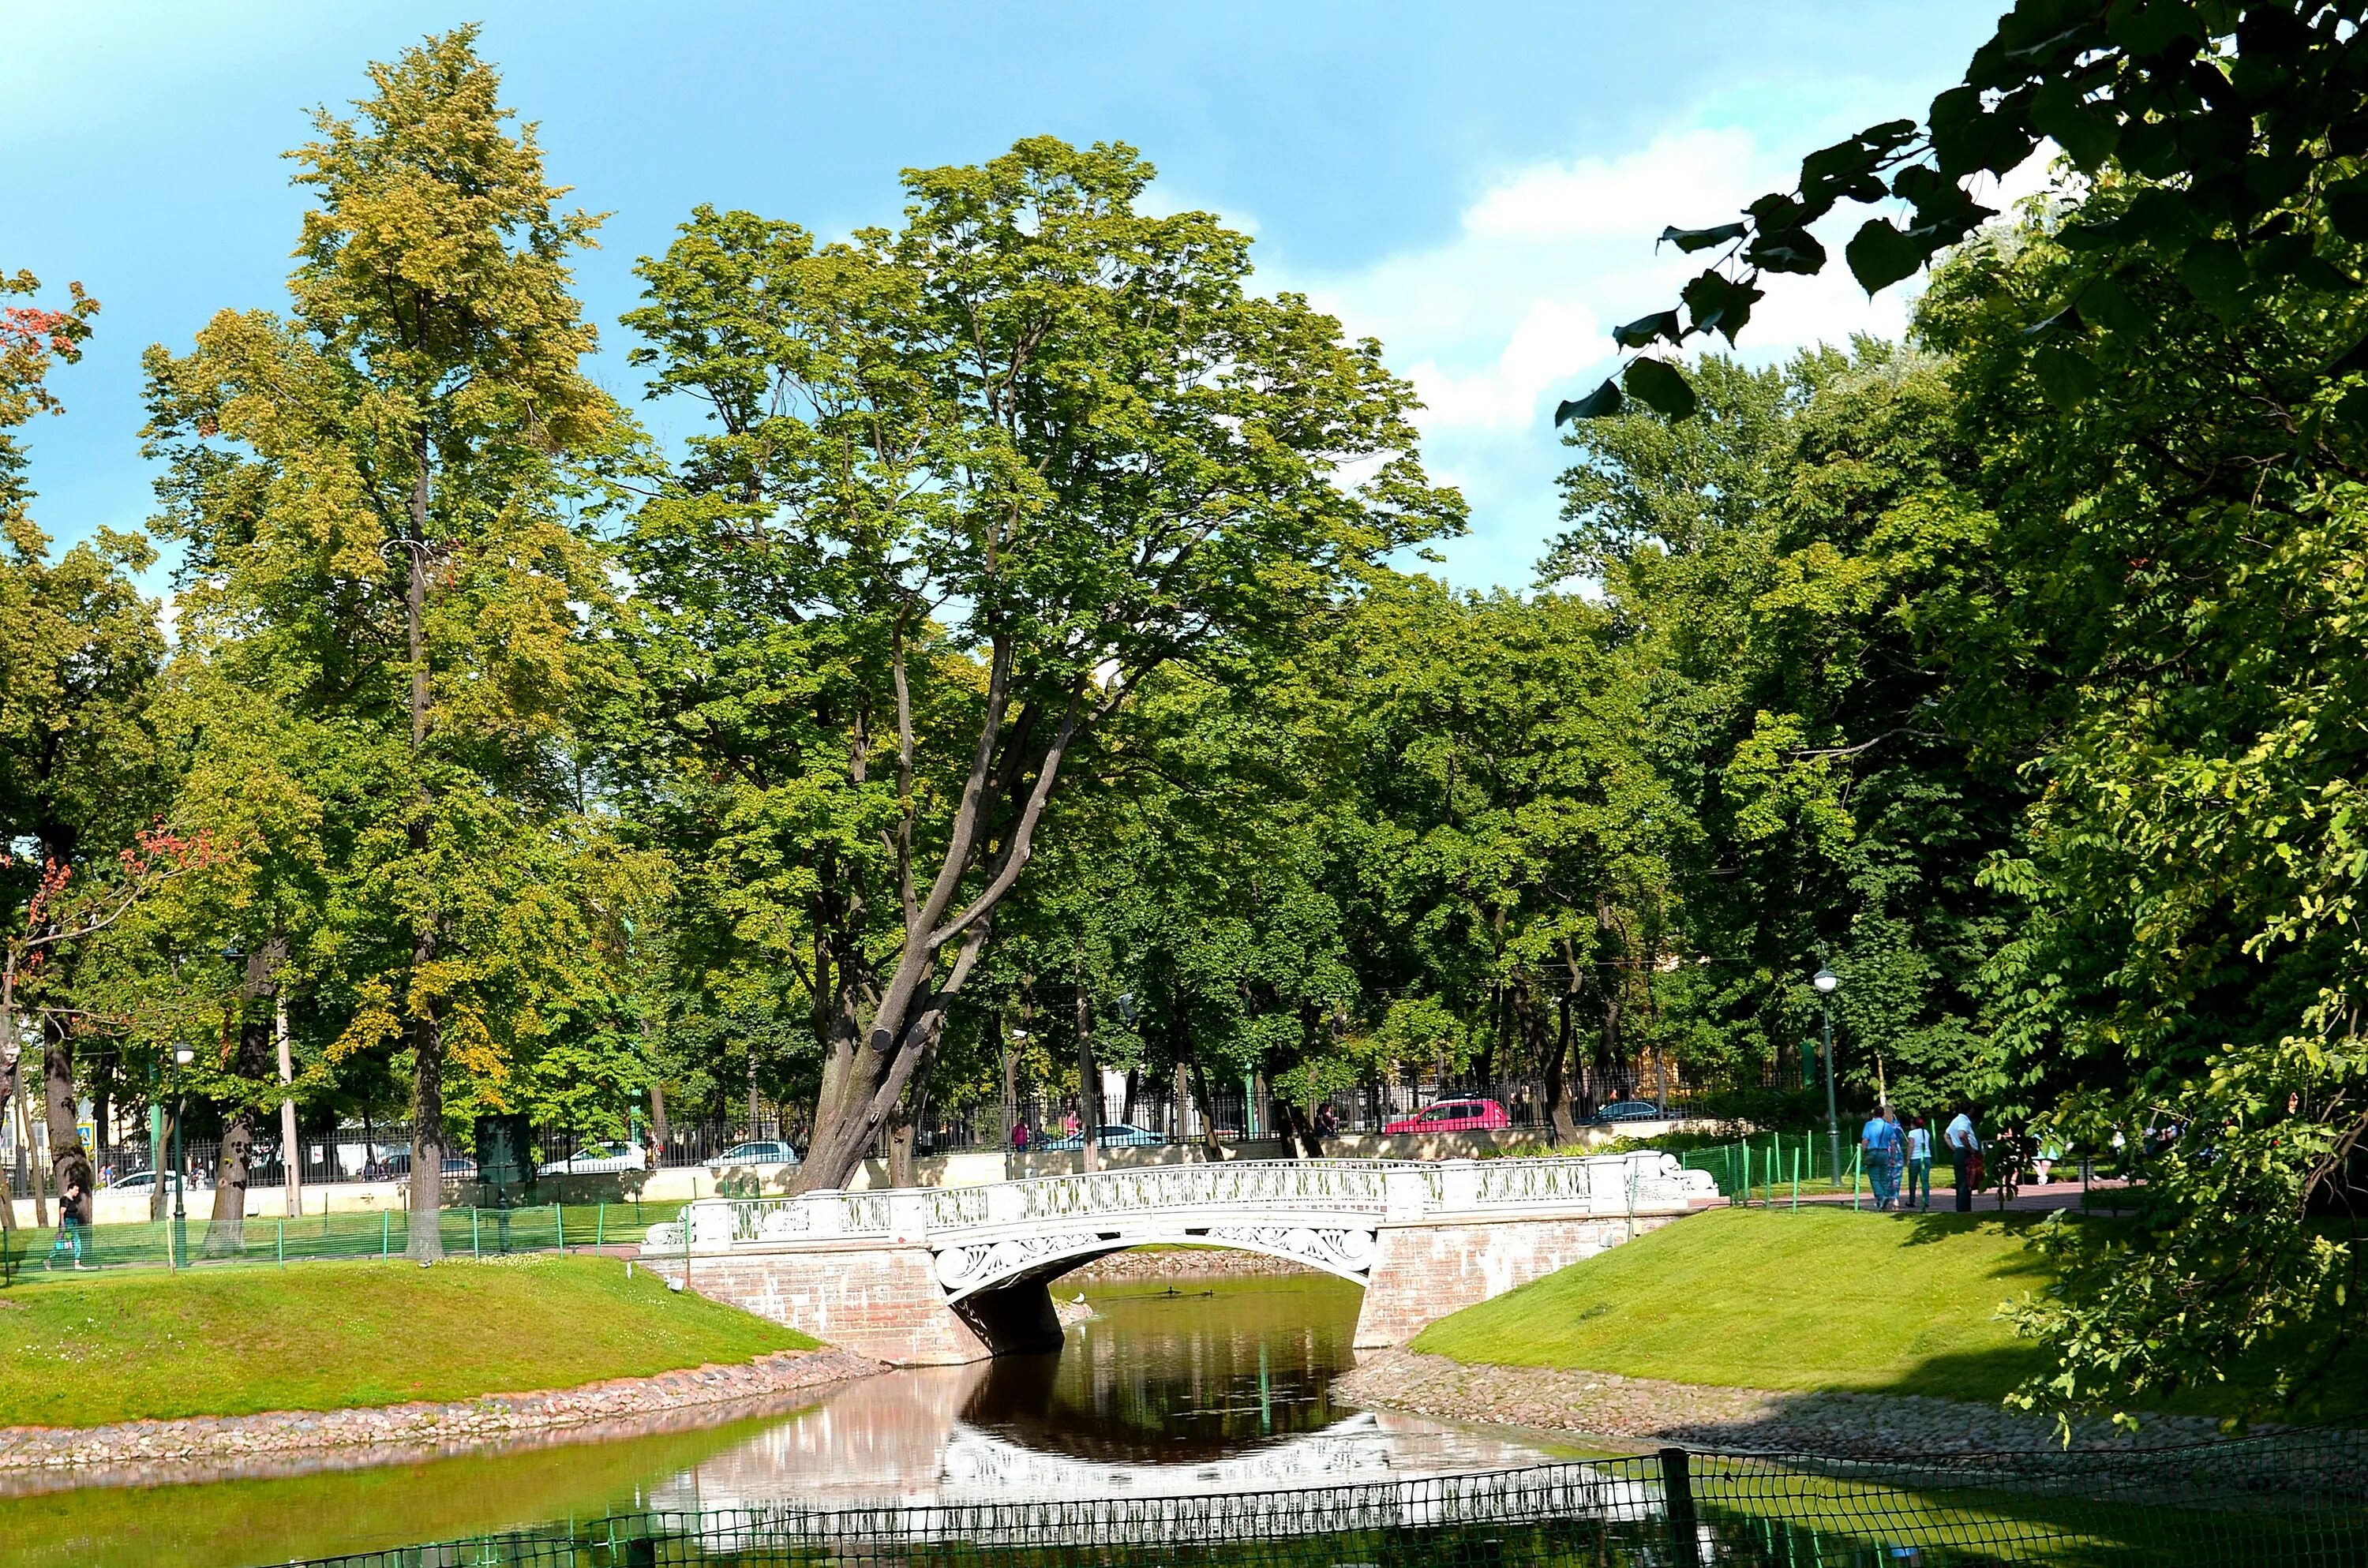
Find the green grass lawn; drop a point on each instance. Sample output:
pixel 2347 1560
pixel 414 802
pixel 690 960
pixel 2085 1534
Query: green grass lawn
pixel 84 1349
pixel 1825 1299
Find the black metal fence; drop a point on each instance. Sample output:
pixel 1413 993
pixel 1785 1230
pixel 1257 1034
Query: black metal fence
pixel 1160 1114
pixel 2298 1500
pixel 382 1152
pixel 1152 1107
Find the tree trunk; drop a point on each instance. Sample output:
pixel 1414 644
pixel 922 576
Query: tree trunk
pixel 1007 1108
pixel 292 1148
pixel 70 1165
pixel 658 1115
pixel 424 1236
pixel 1206 1106
pixel 1557 1086
pixel 1089 1084
pixel 226 1229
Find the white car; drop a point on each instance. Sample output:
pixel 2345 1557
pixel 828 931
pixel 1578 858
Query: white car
pixel 145 1181
pixel 599 1159
pixel 763 1152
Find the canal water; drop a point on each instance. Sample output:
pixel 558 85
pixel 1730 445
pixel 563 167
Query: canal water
pixel 1189 1385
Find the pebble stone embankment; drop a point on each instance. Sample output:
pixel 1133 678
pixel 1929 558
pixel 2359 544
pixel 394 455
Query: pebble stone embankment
pixel 492 1418
pixel 1645 1410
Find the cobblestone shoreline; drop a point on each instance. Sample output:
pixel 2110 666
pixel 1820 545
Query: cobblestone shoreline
pixel 1642 1410
pixel 627 1403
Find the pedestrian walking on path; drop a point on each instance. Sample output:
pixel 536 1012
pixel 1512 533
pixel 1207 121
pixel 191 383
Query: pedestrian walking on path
pixel 1965 1148
pixel 1878 1140
pixel 1920 1165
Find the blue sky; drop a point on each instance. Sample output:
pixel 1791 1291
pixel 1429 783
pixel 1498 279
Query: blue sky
pixel 1478 185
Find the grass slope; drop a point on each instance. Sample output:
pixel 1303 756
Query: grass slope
pixel 1750 1298
pixel 325 1336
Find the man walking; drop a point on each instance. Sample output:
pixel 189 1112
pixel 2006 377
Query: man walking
pixel 1920 1165
pixel 1877 1140
pixel 1965 1148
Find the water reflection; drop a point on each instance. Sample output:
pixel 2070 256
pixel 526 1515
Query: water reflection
pixel 1220 1385
pixel 1225 1386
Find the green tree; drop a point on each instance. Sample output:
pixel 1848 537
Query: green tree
pixel 2178 567
pixel 1801 580
pixel 2244 119
pixel 79 652
pixel 372 496
pixel 1034 440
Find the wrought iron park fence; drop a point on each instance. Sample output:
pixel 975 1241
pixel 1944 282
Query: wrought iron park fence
pixel 2296 1500
pixel 384 1235
pixel 1153 1112
pixel 382 1152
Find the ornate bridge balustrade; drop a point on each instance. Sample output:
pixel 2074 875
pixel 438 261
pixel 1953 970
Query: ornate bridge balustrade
pixel 865 1268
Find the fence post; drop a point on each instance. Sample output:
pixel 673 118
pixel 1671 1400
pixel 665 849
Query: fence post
pixel 1678 1499
pixel 559 1226
pixel 1796 1181
pixel 385 1233
pixel 599 1227
pixel 283 1243
pixel 477 1232
pixel 1857 1168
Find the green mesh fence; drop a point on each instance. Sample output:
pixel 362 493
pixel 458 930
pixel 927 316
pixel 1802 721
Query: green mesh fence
pixel 483 1233
pixel 2296 1499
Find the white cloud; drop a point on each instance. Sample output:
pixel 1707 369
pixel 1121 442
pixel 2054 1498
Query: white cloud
pixel 1514 312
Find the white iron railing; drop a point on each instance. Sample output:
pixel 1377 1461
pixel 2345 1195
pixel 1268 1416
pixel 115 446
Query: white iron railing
pixel 1372 1191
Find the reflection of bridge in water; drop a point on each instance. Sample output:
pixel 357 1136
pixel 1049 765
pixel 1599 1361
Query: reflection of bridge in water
pixel 943 1438
pixel 936 1275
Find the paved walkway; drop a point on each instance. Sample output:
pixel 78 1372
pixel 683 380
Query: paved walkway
pixel 2100 1195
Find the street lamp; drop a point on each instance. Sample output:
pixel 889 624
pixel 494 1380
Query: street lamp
pixel 182 1057
pixel 1827 983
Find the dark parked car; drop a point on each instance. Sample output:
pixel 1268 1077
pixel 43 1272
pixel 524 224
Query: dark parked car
pixel 1630 1110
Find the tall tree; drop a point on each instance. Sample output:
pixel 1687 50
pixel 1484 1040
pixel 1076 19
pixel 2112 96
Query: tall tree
pixel 371 493
pixel 1033 430
pixel 79 651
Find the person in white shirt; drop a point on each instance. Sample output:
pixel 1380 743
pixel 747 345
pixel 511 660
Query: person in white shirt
pixel 1920 1165
pixel 1966 1147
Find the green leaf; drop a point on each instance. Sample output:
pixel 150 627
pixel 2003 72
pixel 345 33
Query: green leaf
pixel 1660 324
pixel 2109 304
pixel 2056 110
pixel 1719 303
pixel 2067 378
pixel 1693 240
pixel 1880 256
pixel 2347 208
pixel 1787 250
pixel 1601 403
pixel 1661 387
pixel 2215 271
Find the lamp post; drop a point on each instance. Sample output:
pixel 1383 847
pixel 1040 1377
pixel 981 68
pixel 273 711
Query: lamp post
pixel 182 1057
pixel 1827 983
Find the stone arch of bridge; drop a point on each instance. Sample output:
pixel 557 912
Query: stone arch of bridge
pixel 1346 1249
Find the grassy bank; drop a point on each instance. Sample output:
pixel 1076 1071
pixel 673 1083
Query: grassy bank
pixel 1747 1299
pixel 93 1349
pixel 1822 1300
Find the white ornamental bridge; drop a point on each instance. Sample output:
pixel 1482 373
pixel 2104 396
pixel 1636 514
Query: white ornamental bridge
pixel 937 1275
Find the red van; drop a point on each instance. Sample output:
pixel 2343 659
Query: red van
pixel 1453 1116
